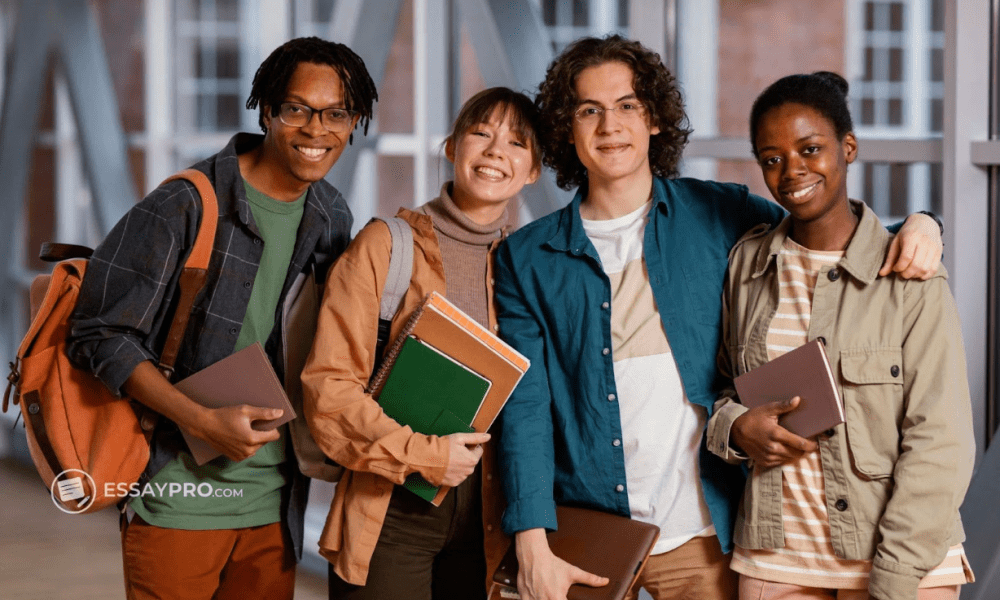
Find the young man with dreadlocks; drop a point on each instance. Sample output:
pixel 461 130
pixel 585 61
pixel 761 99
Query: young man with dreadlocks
pixel 278 219
pixel 616 300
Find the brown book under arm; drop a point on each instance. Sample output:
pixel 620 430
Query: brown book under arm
pixel 604 544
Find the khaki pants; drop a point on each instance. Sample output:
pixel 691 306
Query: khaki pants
pixel 757 589
pixel 696 570
pixel 224 564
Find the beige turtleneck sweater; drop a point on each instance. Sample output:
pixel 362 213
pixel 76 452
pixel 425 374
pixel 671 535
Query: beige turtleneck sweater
pixel 464 247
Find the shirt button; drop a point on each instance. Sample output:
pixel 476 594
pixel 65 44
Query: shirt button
pixel 493 281
pixel 606 351
pixel 616 443
pixel 247 284
pixel 233 331
pixel 611 397
pixel 841 505
pixel 833 274
pixel 894 370
pixel 496 327
pixel 830 432
pixel 822 340
pixel 619 488
pixel 256 241
pixel 489 528
pixel 605 305
pixel 489 477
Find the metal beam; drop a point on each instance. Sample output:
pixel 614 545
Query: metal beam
pixel 95 108
pixel 513 49
pixel 371 39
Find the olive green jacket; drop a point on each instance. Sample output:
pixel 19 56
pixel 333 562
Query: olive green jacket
pixel 896 472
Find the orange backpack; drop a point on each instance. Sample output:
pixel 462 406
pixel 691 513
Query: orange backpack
pixel 75 426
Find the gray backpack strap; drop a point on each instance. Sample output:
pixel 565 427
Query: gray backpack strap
pixel 400 267
pixel 396 283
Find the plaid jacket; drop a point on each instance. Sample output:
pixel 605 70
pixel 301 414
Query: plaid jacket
pixel 128 294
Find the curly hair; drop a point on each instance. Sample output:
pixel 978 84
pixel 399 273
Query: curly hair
pixel 654 86
pixel 270 83
pixel 823 91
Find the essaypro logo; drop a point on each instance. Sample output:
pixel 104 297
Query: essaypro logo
pixel 71 491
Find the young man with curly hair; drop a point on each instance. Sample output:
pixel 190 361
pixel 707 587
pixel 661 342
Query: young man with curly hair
pixel 616 300
pixel 278 219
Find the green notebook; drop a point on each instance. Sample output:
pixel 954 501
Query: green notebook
pixel 434 395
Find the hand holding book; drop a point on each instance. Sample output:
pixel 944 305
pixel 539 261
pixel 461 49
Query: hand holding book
pixel 759 435
pixel 465 451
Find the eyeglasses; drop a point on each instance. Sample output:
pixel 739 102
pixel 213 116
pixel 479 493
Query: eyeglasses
pixel 627 110
pixel 335 120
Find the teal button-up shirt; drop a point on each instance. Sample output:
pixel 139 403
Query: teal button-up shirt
pixel 553 300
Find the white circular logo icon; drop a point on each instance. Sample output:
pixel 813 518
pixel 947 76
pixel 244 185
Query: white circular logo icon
pixel 69 492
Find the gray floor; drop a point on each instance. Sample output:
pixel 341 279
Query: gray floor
pixel 51 555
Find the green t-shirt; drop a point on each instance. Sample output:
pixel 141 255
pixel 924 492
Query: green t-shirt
pixel 223 494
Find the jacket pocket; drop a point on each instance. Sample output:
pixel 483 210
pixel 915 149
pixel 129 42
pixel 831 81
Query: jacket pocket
pixel 873 407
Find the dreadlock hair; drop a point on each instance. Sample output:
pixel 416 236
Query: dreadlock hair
pixel 823 91
pixel 654 86
pixel 270 83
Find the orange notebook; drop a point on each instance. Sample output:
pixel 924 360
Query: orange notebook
pixel 803 372
pixel 440 324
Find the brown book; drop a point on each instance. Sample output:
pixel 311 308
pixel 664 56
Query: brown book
pixel 245 377
pixel 440 324
pixel 803 372
pixel 604 544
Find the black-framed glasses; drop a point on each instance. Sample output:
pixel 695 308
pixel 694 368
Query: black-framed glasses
pixel 592 113
pixel 335 120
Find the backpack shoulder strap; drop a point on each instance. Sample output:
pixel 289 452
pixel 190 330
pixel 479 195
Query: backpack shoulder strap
pixel 396 282
pixel 195 267
pixel 400 267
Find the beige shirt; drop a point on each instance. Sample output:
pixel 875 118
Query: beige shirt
pixel 896 472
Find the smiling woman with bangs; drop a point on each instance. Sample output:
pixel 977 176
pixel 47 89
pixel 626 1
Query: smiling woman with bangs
pixel 382 540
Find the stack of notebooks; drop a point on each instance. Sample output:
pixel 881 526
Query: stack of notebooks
pixel 445 374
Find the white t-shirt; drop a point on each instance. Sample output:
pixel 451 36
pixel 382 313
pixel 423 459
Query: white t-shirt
pixel 661 430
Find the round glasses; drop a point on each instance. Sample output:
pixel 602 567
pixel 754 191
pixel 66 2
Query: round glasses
pixel 335 120
pixel 592 113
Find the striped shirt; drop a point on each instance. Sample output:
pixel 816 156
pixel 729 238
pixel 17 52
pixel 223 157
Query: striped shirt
pixel 808 557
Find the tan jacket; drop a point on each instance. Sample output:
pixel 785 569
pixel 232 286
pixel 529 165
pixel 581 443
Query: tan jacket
pixel 896 472
pixel 349 425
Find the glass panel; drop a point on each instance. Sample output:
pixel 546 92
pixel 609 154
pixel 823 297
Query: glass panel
pixel 894 190
pixel 580 13
pixel 895 64
pixel 937 15
pixel 896 16
pixel 227 60
pixel 229 110
pixel 227 10
pixel 895 111
pixel 937 116
pixel 937 64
